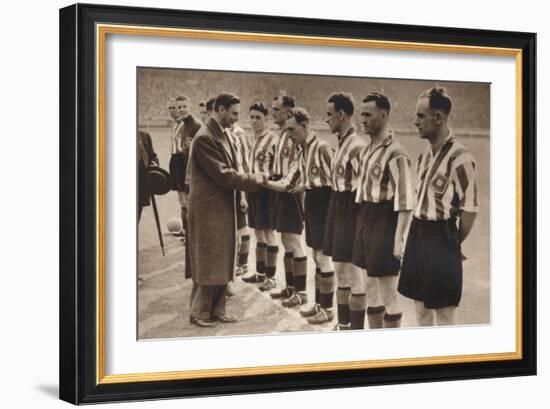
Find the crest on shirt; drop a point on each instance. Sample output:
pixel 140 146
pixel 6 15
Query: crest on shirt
pixel 286 151
pixel 187 142
pixel 260 157
pixel 340 170
pixel 314 170
pixel 376 172
pixel 439 183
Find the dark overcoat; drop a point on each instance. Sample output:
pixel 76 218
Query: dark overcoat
pixel 213 180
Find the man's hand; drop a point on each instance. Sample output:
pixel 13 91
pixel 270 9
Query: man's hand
pixel 243 204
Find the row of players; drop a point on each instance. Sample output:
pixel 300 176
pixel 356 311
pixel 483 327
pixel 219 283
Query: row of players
pixel 355 203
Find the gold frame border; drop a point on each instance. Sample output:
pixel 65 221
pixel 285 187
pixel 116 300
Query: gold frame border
pixel 102 30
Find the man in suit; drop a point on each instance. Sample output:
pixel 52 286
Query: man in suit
pixel 213 182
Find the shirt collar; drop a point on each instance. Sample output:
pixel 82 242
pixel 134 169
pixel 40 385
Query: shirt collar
pixel 389 138
pixel 449 139
pixel 310 138
pixel 348 133
pixel 263 133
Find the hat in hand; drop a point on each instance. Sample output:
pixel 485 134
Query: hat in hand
pixel 158 180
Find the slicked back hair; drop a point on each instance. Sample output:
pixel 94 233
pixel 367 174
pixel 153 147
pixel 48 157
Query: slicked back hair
pixel 210 104
pixel 225 99
pixel 343 101
pixel 379 99
pixel 260 107
pixel 183 98
pixel 300 115
pixel 438 99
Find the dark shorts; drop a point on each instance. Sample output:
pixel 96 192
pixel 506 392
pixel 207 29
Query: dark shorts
pixel 340 226
pixel 289 213
pixel 258 209
pixel 316 207
pixel 374 239
pixel 272 216
pixel 432 264
pixel 178 170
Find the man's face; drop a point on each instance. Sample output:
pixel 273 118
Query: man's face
pixel 203 113
pixel 297 132
pixel 257 120
pixel 279 112
pixel 172 109
pixel 229 116
pixel 333 118
pixel 426 119
pixel 183 108
pixel 372 117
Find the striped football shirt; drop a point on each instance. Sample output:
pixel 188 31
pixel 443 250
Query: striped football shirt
pixel 386 175
pixel 175 138
pixel 241 145
pixel 447 182
pixel 262 153
pixel 285 155
pixel 345 167
pixel 312 165
pixel 317 162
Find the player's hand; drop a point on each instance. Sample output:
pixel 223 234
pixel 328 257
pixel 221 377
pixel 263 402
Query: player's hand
pixel 243 205
pixel 278 187
pixel 398 249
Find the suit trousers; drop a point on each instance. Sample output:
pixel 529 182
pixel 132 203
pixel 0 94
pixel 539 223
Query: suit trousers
pixel 208 301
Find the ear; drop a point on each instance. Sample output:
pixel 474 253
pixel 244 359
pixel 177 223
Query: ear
pixel 437 116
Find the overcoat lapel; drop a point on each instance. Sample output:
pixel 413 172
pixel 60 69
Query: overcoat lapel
pixel 222 141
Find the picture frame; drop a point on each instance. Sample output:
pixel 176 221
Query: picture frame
pixel 83 181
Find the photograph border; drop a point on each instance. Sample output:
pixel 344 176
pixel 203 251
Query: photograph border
pixel 83 32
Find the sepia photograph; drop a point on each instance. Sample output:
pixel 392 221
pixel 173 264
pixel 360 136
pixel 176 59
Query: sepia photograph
pixel 277 203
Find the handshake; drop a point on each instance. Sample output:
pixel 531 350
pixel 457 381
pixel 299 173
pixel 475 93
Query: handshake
pixel 277 183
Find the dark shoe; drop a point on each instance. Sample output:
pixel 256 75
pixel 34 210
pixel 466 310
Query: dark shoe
pixel 254 278
pixel 226 318
pixel 284 293
pixel 201 323
pixel 311 311
pixel 295 300
pixel 268 284
pixel 321 317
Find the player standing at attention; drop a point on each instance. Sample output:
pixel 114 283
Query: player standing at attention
pixel 342 213
pixel 289 214
pixel 446 206
pixel 315 160
pixel 385 199
pixel 262 158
